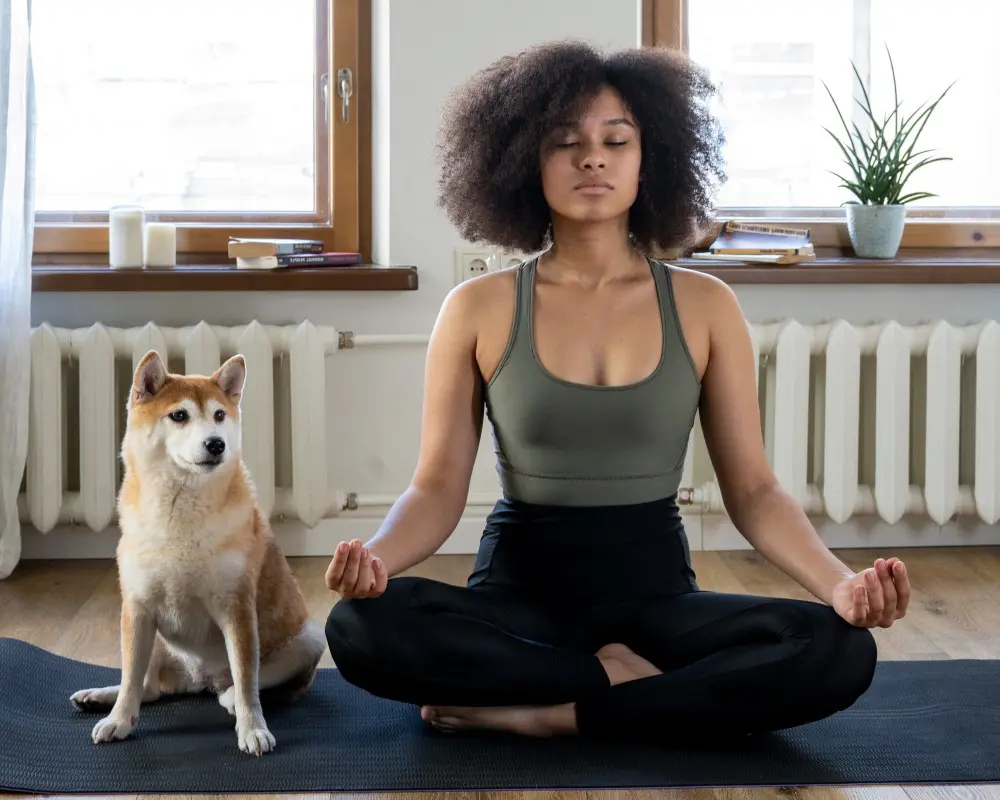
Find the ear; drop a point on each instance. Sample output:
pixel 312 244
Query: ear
pixel 149 377
pixel 231 377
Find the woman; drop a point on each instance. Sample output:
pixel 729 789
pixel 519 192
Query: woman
pixel 583 615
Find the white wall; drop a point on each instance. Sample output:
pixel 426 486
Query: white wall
pixel 422 48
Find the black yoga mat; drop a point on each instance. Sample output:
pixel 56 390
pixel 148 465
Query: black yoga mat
pixel 921 722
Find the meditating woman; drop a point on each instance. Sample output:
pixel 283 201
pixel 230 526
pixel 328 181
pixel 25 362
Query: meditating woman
pixel 583 614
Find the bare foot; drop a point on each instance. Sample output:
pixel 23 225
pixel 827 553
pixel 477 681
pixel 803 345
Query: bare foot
pixel 619 662
pixel 539 721
pixel 623 665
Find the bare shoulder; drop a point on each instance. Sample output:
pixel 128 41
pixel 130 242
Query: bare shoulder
pixel 707 309
pixel 484 309
pixel 481 293
pixel 694 288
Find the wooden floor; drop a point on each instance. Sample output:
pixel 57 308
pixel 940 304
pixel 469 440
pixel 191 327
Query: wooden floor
pixel 71 608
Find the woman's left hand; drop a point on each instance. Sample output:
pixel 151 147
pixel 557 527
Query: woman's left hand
pixel 875 597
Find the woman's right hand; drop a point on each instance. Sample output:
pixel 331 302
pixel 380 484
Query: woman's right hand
pixel 355 573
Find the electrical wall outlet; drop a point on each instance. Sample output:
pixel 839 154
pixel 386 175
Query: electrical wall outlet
pixel 471 262
pixel 509 259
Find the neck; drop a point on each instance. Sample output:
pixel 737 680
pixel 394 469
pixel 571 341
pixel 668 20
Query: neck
pixel 182 490
pixel 592 253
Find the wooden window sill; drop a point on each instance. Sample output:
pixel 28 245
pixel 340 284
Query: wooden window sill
pixel 845 270
pixel 221 278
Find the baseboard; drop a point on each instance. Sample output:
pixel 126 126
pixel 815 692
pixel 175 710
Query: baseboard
pixel 296 539
pixel 719 533
pixel 710 532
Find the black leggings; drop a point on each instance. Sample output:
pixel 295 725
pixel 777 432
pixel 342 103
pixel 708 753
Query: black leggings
pixel 552 587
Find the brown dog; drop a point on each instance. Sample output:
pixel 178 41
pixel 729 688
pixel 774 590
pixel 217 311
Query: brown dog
pixel 208 600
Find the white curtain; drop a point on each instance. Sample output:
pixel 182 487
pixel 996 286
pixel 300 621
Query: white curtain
pixel 17 218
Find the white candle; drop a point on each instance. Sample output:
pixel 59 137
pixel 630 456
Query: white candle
pixel 161 244
pixel 125 225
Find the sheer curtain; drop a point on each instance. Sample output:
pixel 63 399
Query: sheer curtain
pixel 17 219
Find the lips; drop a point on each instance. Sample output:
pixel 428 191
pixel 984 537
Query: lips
pixel 592 185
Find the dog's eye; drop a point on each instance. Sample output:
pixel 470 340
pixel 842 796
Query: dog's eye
pixel 220 415
pixel 180 415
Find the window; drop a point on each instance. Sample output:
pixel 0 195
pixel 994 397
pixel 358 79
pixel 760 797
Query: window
pixel 771 59
pixel 223 117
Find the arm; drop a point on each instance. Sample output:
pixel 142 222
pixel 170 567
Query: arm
pixel 764 513
pixel 426 514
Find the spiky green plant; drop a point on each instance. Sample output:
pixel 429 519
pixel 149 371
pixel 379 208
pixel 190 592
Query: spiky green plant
pixel 882 162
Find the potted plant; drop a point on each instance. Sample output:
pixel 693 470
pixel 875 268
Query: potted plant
pixel 881 162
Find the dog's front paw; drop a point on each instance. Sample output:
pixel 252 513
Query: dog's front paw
pixel 254 737
pixel 111 728
pixel 95 699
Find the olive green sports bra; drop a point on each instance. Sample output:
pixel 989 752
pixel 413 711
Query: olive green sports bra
pixel 564 443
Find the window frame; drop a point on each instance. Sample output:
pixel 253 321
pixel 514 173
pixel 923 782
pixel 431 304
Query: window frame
pixel 343 169
pixel 664 24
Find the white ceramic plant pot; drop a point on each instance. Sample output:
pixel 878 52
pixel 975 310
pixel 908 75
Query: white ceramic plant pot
pixel 876 231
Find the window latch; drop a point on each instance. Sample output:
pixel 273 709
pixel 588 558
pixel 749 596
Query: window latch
pixel 345 88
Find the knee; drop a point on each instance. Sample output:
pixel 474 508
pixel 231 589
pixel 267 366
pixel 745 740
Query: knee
pixel 345 624
pixel 861 654
pixel 361 631
pixel 850 655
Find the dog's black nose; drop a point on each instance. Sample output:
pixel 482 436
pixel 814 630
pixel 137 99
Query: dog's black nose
pixel 215 445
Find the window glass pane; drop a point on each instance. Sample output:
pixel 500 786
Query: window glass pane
pixel 933 44
pixel 771 58
pixel 191 105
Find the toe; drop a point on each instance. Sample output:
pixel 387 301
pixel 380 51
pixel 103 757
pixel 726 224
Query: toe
pixel 446 725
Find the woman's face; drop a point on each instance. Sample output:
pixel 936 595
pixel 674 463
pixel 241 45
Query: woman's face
pixel 590 166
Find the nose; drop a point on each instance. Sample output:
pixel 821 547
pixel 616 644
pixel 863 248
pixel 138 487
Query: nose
pixel 593 159
pixel 215 445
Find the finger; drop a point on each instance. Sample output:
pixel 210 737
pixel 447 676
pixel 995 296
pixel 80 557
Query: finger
pixel 365 579
pixel 901 579
pixel 381 575
pixel 859 610
pixel 370 581
pixel 876 603
pixel 335 571
pixel 888 592
pixel 353 565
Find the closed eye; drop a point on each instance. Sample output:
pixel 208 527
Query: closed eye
pixel 561 145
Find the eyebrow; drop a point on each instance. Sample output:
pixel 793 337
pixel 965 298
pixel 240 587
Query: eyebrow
pixel 619 121
pixel 573 125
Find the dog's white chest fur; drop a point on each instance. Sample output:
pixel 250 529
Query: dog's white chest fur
pixel 177 565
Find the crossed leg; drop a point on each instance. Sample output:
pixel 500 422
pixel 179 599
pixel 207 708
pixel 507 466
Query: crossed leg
pixel 701 664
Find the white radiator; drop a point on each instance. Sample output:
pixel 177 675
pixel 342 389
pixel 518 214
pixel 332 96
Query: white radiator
pixel 879 420
pixel 102 382
pixel 882 420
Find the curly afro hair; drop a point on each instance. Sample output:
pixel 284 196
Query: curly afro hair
pixel 493 125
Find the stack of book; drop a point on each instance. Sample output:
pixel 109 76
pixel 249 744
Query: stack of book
pixel 759 243
pixel 283 253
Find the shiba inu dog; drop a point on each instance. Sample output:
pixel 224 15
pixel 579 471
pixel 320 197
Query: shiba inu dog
pixel 208 601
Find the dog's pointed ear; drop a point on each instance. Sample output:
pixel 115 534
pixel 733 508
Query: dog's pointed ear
pixel 149 377
pixel 231 376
